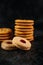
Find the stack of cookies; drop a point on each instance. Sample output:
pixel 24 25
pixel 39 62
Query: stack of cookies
pixel 5 34
pixel 24 28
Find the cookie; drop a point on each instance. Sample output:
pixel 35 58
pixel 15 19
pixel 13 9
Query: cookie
pixel 31 39
pixel 21 43
pixel 5 37
pixel 9 33
pixel 26 36
pixel 5 31
pixel 27 21
pixel 7 45
pixel 26 27
pixel 30 30
pixel 24 30
pixel 1 40
pixel 24 33
pixel 23 24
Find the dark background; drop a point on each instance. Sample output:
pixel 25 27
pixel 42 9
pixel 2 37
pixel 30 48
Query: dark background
pixel 23 9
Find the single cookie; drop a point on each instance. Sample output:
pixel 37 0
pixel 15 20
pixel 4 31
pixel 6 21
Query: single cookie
pixel 20 28
pixel 21 43
pixel 5 30
pixel 26 27
pixel 5 37
pixel 10 38
pixel 1 40
pixel 23 24
pixel 30 30
pixel 23 33
pixel 23 29
pixel 18 20
pixel 26 36
pixel 30 39
pixel 7 45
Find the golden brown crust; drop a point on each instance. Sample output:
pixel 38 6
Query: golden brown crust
pixel 6 37
pixel 29 31
pixel 26 36
pixel 6 46
pixel 26 27
pixel 23 33
pixel 23 30
pixel 30 39
pixel 20 44
pixel 18 20
pixel 5 30
pixel 24 24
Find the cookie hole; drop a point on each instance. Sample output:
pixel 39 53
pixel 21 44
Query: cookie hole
pixel 9 42
pixel 23 41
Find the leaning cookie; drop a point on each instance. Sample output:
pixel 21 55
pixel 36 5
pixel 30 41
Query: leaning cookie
pixel 21 43
pixel 7 45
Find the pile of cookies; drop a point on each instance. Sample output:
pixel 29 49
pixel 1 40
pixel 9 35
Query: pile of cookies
pixel 24 28
pixel 5 34
pixel 16 42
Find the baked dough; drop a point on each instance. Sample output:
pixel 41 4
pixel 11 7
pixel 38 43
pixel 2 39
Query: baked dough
pixel 21 43
pixel 7 45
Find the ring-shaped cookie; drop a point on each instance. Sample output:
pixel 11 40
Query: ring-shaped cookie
pixel 21 43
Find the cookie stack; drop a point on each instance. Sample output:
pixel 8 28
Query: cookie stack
pixel 5 34
pixel 24 28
